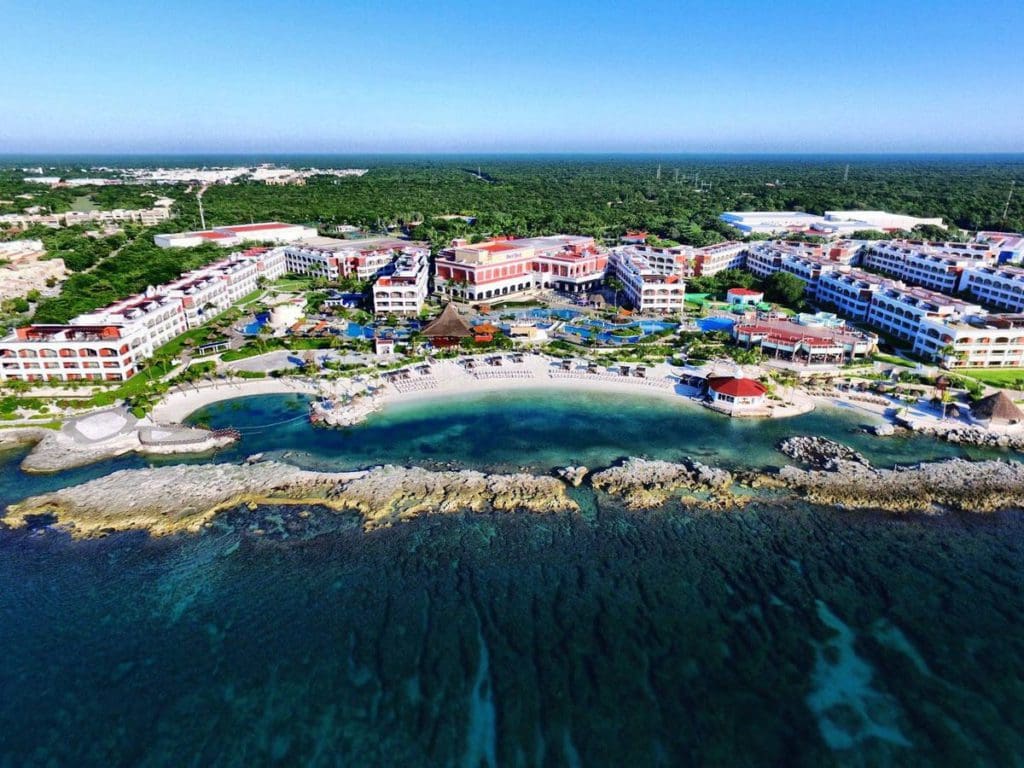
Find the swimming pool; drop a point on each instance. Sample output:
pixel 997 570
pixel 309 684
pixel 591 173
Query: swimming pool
pixel 709 324
pixel 253 328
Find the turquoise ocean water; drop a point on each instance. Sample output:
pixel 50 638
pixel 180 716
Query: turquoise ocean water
pixel 780 634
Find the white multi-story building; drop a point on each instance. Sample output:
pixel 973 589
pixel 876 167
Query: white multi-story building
pixel 72 353
pixel 158 315
pixel 1009 246
pixel 504 267
pixel 229 237
pixel 992 341
pixel 650 285
pixel 900 311
pixel 850 291
pixel 206 292
pixel 997 286
pixel 332 258
pixel 108 344
pixel 938 267
pixel 832 224
pixel 403 290
pixel 806 261
pixel 712 259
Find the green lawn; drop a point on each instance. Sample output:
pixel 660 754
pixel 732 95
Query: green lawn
pixel 996 377
pixel 881 357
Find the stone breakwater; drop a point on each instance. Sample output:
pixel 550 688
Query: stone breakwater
pixel 644 483
pixel 388 494
pixel 950 485
pixel 166 500
pixel 983 438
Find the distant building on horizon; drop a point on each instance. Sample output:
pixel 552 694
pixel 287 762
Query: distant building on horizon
pixel 832 224
pixel 228 237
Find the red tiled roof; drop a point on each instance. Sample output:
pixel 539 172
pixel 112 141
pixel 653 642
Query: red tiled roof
pixel 727 385
pixel 744 292
pixel 492 247
pixel 212 235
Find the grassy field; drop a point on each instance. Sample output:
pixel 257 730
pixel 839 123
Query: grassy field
pixel 881 357
pixel 1012 378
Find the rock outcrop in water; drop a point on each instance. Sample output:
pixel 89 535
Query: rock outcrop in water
pixel 165 500
pixel 389 494
pixel 572 475
pixel 644 483
pixel 819 452
pixel 954 484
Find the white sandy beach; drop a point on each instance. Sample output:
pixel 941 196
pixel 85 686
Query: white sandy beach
pixel 454 378
pixel 177 405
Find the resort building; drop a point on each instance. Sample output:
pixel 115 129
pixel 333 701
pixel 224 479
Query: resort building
pixel 1008 246
pixel 71 353
pixel 145 216
pixel 997 286
pixel 832 224
pixel 108 344
pixel 650 285
pixel 992 341
pixel 737 396
pixel 333 259
pixel 850 292
pixel 712 259
pixel 899 311
pixel 206 292
pixel 157 316
pixel 937 267
pixel 503 267
pixel 229 237
pixel 744 297
pixel 808 262
pixel 404 287
pixel 808 344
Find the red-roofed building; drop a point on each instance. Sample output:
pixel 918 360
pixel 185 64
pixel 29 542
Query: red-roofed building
pixel 744 296
pixel 737 396
pixel 504 267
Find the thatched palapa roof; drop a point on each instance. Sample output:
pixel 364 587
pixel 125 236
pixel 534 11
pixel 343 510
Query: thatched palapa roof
pixel 447 324
pixel 998 407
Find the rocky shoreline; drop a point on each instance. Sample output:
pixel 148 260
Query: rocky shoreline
pixel 164 500
pixel 170 499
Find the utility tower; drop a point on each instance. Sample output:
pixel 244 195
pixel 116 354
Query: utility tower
pixel 1006 208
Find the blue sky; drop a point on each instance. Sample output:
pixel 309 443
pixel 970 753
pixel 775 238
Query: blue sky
pixel 650 75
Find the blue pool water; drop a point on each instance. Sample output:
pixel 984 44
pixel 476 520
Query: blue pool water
pixel 709 324
pixel 253 327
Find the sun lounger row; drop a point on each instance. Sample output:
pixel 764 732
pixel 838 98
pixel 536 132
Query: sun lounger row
pixel 504 373
pixel 415 385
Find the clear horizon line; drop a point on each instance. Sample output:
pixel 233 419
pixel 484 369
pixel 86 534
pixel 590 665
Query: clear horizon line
pixel 592 153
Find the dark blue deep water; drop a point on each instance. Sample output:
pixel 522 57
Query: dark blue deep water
pixel 777 635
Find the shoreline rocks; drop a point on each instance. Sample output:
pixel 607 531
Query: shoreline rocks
pixel 329 412
pixel 931 487
pixel 572 475
pixel 974 436
pixel 819 452
pixel 644 483
pixel 165 500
